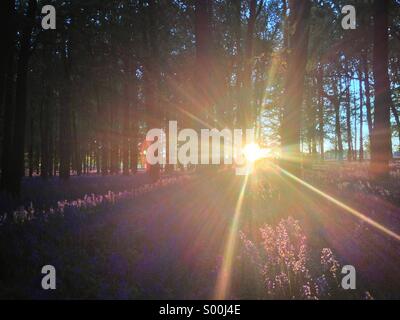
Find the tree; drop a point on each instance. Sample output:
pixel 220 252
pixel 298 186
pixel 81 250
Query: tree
pixel 320 97
pixel 65 120
pixel 152 76
pixel 246 109
pixel 381 135
pixel 297 60
pixel 360 82
pixel 202 105
pixel 364 63
pixel 7 24
pixel 18 155
pixel 7 85
pixel 348 114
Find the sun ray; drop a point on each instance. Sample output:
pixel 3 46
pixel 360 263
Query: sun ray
pixel 342 205
pixel 224 276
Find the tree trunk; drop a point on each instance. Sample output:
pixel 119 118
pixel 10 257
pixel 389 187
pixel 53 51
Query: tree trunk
pixel 246 112
pixel 237 5
pixel 152 75
pixel 355 127
pixel 338 128
pixel 311 110
pixel 65 138
pixel 381 134
pixel 367 94
pixel 294 88
pixel 361 116
pixel 77 148
pixel 396 119
pixel 6 160
pixel 44 139
pixel 30 151
pixel 348 117
pixel 134 148
pixel 126 130
pixel 51 155
pixel 7 12
pixel 203 68
pixel 321 131
pixel 18 154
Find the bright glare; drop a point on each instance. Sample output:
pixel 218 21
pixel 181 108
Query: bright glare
pixel 253 152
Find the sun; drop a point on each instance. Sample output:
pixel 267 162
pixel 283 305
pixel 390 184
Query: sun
pixel 253 152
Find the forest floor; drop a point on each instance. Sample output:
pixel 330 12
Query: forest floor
pixel 170 242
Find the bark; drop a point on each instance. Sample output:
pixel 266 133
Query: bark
pixel 18 154
pixel 321 131
pixel 65 138
pixel 237 4
pixel 311 110
pixel 6 160
pixel 348 117
pixel 396 119
pixel 126 130
pixel 113 136
pixel 51 149
pixel 361 116
pixel 246 114
pixel 202 106
pixel 152 75
pixel 367 94
pixel 7 12
pixel 30 152
pixel 134 147
pixel 44 140
pixel 381 135
pixel 338 129
pixel 77 148
pixel 294 88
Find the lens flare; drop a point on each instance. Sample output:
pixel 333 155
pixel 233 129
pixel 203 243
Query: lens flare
pixel 253 152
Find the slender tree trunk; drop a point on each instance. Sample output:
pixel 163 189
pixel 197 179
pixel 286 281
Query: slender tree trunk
pixel 113 154
pixel 203 68
pixel 381 135
pixel 30 151
pixel 77 145
pixel 338 128
pixel 299 16
pixel 396 118
pixel 46 133
pixel 321 130
pixel 237 5
pixel 134 148
pixel 311 110
pixel 7 25
pixel 348 117
pixel 152 75
pixel 101 142
pixel 134 154
pixel 6 160
pixel 65 139
pixel 355 128
pixel 51 135
pixel 18 154
pixel 126 130
pixel 246 114
pixel 361 115
pixel 367 95
pixel 104 153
